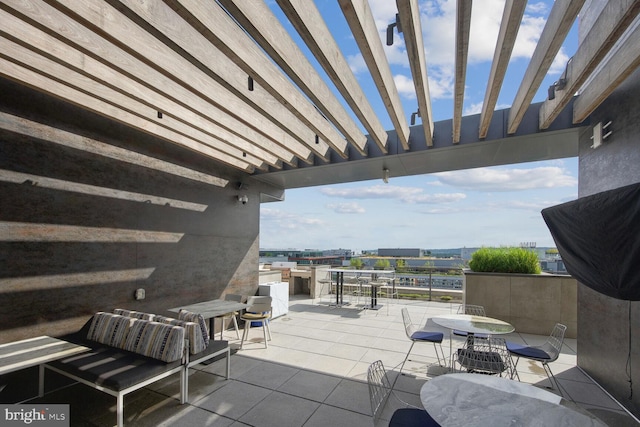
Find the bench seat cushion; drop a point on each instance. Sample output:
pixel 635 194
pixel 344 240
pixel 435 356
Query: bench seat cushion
pixel 113 368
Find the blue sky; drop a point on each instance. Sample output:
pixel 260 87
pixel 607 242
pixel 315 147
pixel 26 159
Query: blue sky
pixel 478 207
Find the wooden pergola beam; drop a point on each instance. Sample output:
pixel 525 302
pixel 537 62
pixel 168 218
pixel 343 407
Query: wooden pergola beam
pixel 53 70
pixel 509 26
pixel 223 33
pixel 311 27
pixel 137 79
pixel 52 87
pixel 363 27
pixel 224 85
pixel 560 21
pixel 262 25
pixel 409 14
pixel 463 26
pixel 614 19
pixel 625 61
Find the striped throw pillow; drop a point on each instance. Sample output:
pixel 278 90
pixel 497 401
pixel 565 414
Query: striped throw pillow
pixel 196 318
pixel 109 329
pixel 156 340
pixel 134 314
pixel 192 333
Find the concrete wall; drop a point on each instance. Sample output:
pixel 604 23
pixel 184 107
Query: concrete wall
pixel 608 326
pixel 75 238
pixel 532 303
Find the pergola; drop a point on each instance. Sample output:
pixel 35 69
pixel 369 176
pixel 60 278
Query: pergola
pixel 227 80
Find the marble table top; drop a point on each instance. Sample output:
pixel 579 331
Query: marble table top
pixel 213 308
pixel 481 400
pixel 35 351
pixel 473 324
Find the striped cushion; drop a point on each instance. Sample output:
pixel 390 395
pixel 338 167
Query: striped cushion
pixel 109 329
pixel 192 332
pixel 134 314
pixel 196 318
pixel 156 340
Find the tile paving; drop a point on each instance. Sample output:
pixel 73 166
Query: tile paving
pixel 314 374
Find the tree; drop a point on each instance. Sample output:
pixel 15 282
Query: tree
pixel 382 264
pixel 356 263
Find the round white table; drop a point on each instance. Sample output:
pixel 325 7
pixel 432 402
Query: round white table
pixel 480 400
pixel 474 324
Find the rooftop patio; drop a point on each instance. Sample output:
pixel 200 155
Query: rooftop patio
pixel 314 374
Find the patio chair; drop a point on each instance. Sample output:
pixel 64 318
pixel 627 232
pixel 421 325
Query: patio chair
pixel 421 335
pixel 236 298
pixel 474 310
pixel 259 311
pixel 326 287
pixel 355 287
pixel 545 353
pixel 379 392
pixel 486 356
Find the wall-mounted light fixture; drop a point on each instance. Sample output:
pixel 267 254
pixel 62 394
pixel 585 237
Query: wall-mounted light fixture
pixel 390 28
pixel 244 199
pixel 600 133
pixel 413 117
pixel 385 175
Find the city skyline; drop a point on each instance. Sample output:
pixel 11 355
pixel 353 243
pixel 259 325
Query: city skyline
pixel 497 206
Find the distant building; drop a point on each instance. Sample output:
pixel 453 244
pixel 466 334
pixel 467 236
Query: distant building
pixel 401 252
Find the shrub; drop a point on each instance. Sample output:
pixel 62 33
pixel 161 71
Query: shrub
pixel 505 260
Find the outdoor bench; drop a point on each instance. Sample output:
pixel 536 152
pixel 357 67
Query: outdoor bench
pixel 130 350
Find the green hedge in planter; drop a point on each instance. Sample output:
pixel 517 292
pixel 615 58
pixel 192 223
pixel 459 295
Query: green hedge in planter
pixel 505 260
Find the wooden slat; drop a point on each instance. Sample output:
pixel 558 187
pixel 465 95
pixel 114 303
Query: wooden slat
pixel 82 83
pixel 262 25
pixel 223 33
pixel 509 26
pixel 463 26
pixel 312 28
pixel 625 61
pixel 363 27
pixel 42 132
pixel 211 100
pixel 409 14
pixel 31 78
pixel 561 18
pixel 178 101
pixel 225 82
pixel 614 19
pixel 68 56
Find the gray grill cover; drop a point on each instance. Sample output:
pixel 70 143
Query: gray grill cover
pixel 598 237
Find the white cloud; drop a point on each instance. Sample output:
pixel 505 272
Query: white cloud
pixel 490 179
pixel 346 208
pixel 356 63
pixel 473 109
pixel 287 220
pixel 405 86
pixel 409 195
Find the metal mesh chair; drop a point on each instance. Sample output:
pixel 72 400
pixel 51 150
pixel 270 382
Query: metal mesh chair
pixel 421 335
pixel 545 353
pixel 486 356
pixel 379 392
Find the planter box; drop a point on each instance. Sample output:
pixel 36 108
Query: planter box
pixel 533 303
